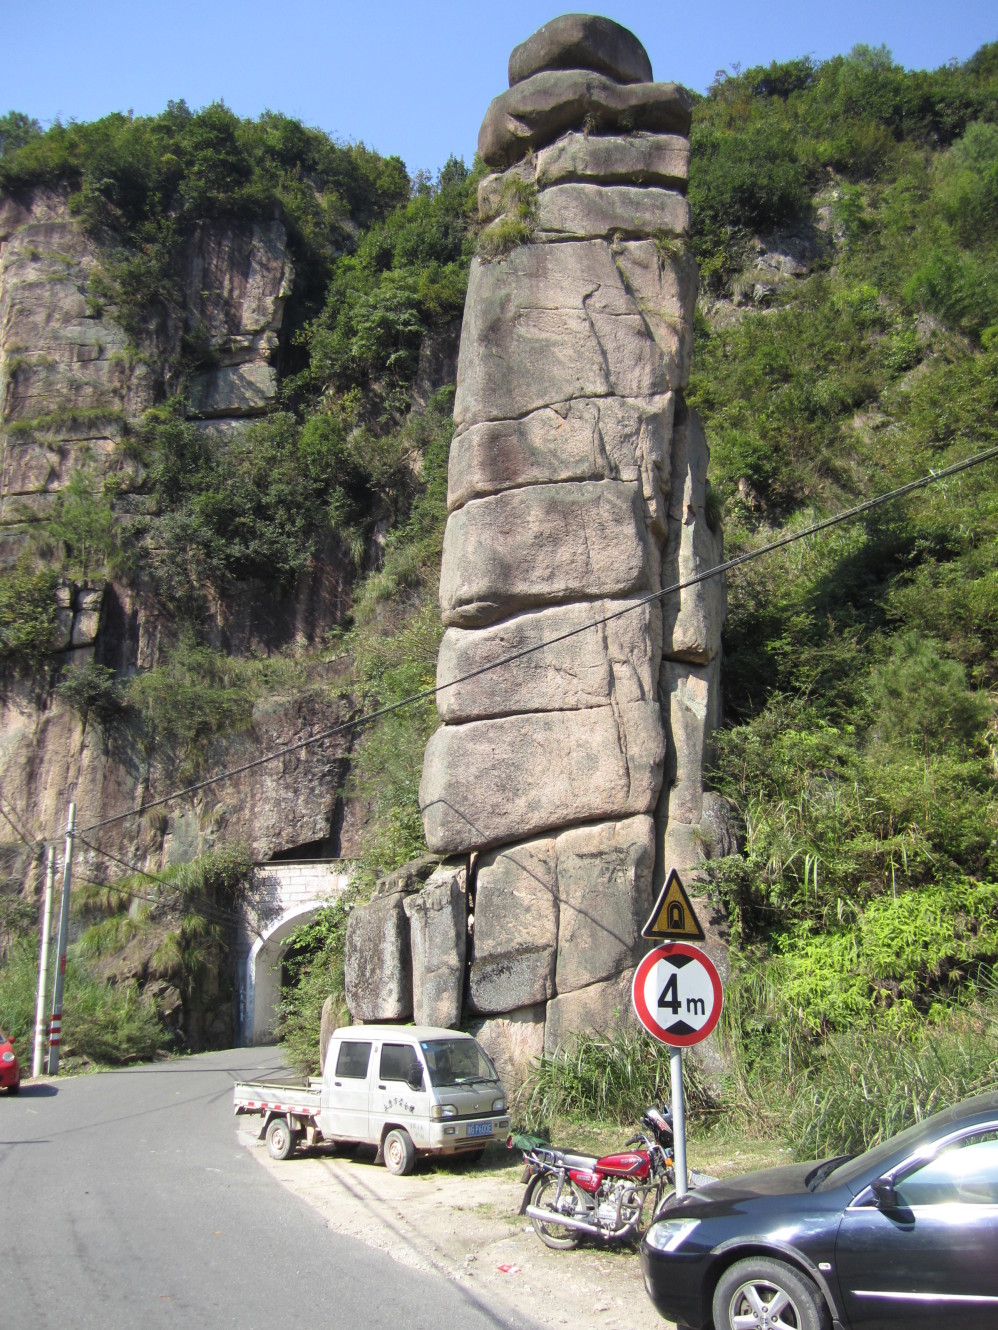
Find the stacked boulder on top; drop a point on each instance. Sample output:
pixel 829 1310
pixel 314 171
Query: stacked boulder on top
pixel 577 490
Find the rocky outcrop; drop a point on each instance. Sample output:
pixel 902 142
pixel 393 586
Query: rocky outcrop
pixel 70 381
pixel 72 388
pixel 235 284
pixel 578 505
pixel 377 954
pixel 438 926
pixel 581 41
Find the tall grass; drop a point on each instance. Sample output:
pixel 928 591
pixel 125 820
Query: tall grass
pixel 864 1087
pixel 842 1091
pixel 105 1024
pixel 610 1079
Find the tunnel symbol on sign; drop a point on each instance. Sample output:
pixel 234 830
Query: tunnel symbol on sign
pixel 673 916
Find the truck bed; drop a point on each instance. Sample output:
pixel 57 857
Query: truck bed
pixel 290 1095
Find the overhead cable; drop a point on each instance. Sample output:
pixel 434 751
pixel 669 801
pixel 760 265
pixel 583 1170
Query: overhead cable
pixel 846 515
pixel 211 909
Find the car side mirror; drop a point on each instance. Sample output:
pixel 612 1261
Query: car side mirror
pixel 883 1190
pixel 415 1079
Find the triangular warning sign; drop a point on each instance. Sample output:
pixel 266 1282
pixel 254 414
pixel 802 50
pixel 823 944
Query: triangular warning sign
pixel 673 915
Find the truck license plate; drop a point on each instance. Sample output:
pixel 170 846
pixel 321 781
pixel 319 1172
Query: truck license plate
pixel 479 1128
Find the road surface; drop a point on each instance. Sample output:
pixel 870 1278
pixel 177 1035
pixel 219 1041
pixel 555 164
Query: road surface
pixel 127 1201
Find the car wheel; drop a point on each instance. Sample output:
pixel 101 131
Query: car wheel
pixel 767 1295
pixel 542 1195
pixel 281 1140
pixel 15 1088
pixel 399 1152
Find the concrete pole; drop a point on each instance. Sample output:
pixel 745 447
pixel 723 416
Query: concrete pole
pixel 55 1028
pixel 678 1118
pixel 43 966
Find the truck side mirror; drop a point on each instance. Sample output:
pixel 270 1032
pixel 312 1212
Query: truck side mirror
pixel 415 1078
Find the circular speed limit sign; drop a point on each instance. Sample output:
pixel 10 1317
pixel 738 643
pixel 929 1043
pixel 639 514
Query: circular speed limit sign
pixel 677 994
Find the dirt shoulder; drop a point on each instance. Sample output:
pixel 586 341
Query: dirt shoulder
pixel 461 1221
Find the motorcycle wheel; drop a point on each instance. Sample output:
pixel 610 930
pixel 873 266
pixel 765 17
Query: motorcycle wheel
pixel 554 1235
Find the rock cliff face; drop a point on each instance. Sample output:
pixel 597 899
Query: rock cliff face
pixel 572 771
pixel 71 386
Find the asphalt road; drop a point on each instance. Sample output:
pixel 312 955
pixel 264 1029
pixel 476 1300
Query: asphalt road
pixel 125 1201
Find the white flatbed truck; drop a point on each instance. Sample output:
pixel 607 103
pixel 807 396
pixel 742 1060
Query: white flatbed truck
pixel 409 1090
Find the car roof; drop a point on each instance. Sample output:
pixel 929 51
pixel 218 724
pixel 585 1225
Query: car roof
pixel 909 1142
pixel 967 1108
pixel 408 1032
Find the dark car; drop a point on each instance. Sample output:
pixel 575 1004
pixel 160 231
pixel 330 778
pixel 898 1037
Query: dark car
pixel 903 1235
pixel 10 1072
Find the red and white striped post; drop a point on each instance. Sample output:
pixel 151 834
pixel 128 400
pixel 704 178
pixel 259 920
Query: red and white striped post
pixel 55 1025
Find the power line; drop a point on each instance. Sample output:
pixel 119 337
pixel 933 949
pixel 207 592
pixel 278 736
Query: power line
pixel 18 830
pixel 221 915
pixel 209 908
pixel 848 514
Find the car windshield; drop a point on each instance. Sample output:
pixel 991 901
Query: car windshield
pixel 456 1062
pixel 870 1163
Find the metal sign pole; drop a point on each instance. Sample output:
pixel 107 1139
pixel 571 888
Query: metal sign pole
pixel 678 1118
pixel 55 1029
pixel 43 966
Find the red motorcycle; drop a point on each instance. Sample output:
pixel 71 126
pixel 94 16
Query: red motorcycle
pixel 570 1196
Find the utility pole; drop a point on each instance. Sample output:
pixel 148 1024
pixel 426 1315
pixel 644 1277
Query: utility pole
pixel 55 1027
pixel 43 966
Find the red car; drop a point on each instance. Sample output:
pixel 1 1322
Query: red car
pixel 10 1072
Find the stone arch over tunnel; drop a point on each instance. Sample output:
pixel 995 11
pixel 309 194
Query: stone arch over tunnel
pixel 263 975
pixel 285 896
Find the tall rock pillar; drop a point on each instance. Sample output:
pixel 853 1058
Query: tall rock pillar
pixel 576 492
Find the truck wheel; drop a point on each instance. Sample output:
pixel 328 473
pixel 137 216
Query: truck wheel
pixel 281 1140
pixel 399 1152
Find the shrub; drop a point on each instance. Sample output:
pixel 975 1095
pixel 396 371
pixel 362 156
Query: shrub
pixel 28 612
pixel 110 935
pixel 87 536
pixel 313 964
pixel 188 699
pixel 515 224
pixel 93 690
pixel 106 1024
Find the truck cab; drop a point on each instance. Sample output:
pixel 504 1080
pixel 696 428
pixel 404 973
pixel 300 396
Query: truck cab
pixel 410 1090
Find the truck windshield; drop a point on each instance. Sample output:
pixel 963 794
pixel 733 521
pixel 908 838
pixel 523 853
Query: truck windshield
pixel 456 1062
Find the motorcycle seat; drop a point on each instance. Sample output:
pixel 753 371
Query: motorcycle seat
pixel 572 1160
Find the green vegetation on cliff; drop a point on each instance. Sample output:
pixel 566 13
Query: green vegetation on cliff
pixel 861 743
pixel 861 737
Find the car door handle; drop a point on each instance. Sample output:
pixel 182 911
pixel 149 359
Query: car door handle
pixel 382 1087
pixel 338 1084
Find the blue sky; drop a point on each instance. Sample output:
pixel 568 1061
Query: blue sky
pixel 411 78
